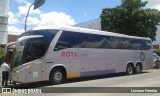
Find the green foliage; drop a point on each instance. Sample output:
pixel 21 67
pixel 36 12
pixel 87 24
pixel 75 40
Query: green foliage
pixel 131 19
pixel 2 55
pixel 157 51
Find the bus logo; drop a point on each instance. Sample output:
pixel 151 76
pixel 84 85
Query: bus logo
pixel 142 56
pixel 69 54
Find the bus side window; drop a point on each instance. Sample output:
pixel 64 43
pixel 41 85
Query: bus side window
pixel 61 45
pixel 66 40
pixel 148 45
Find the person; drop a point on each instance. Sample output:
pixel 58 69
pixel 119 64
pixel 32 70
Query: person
pixel 5 73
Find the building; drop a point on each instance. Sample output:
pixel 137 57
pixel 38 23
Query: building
pixel 4 10
pixel 12 38
pixel 93 24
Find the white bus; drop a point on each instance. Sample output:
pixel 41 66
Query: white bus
pixel 54 54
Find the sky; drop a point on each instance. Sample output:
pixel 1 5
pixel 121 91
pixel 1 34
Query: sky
pixel 59 12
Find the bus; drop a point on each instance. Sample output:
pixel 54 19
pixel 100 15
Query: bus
pixel 53 54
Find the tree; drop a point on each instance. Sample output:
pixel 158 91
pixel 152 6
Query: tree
pixel 131 18
pixel 2 55
pixel 157 51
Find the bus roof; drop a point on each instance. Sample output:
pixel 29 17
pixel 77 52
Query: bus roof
pixel 90 31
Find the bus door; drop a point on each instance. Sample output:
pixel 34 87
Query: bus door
pixel 20 73
pixel 33 71
pixel 17 67
pixel 33 54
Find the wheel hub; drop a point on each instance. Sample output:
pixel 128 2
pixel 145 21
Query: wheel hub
pixel 130 70
pixel 57 76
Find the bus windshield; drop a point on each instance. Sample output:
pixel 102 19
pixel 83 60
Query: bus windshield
pixel 18 54
pixel 34 46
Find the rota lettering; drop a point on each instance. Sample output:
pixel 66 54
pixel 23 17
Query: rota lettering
pixel 69 54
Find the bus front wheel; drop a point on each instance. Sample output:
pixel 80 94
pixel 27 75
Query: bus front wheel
pixel 56 76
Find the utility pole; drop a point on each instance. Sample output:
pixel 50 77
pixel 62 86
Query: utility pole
pixel 37 4
pixel 25 26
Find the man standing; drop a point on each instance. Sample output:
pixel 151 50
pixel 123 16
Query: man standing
pixel 5 73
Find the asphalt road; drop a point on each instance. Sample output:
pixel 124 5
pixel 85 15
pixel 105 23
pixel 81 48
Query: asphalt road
pixel 148 78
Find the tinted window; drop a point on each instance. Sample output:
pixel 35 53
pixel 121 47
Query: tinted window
pixel 147 45
pixel 84 40
pixel 93 41
pixel 47 34
pixel 37 47
pixel 131 44
pixel 26 33
pixel 67 40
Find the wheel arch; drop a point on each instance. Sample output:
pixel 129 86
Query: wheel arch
pixel 61 66
pixel 129 62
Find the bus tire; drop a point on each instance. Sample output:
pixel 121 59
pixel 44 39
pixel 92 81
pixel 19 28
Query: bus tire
pixel 56 76
pixel 129 69
pixel 138 68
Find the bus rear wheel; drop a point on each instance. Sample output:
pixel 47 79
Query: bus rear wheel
pixel 138 68
pixel 129 69
pixel 56 76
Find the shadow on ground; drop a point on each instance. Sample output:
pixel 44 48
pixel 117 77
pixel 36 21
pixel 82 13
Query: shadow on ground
pixel 45 83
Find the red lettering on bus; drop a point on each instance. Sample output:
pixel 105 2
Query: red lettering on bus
pixel 72 54
pixel 69 54
pixel 75 54
pixel 63 54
